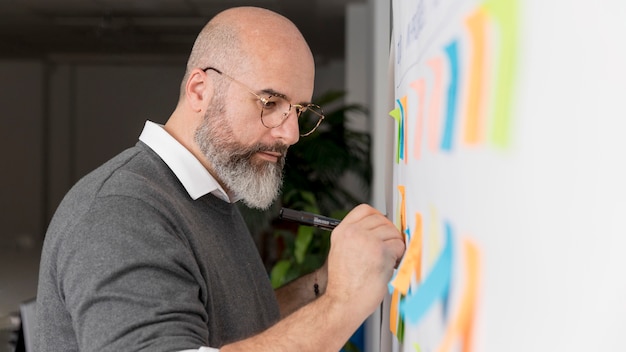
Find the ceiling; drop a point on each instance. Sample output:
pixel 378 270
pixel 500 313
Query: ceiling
pixel 88 28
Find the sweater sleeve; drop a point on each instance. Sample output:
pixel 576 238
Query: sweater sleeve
pixel 130 281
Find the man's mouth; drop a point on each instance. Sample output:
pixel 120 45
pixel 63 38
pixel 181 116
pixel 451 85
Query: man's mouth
pixel 270 156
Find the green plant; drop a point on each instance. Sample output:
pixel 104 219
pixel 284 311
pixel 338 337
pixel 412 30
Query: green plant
pixel 304 247
pixel 315 180
pixel 318 163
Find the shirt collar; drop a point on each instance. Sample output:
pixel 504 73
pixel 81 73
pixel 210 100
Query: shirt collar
pixel 187 168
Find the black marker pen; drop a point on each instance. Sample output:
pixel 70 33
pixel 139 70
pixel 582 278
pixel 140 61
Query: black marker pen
pixel 309 219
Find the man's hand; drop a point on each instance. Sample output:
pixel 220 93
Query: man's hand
pixel 364 250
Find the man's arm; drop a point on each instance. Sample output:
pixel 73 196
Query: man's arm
pixel 323 325
pixel 301 291
pixel 365 248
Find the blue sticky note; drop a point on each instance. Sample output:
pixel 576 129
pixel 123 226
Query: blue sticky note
pixel 448 132
pixel 434 287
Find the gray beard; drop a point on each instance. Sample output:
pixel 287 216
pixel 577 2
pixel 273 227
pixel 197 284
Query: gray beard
pixel 257 183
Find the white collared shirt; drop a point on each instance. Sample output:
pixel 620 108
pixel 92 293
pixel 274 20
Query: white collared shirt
pixel 194 177
pixel 187 168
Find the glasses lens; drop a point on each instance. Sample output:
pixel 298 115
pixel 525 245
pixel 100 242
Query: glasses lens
pixel 309 119
pixel 275 110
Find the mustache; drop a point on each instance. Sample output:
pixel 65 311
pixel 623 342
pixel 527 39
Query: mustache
pixel 246 153
pixel 259 147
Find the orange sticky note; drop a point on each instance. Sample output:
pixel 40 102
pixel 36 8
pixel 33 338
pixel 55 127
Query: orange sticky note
pixel 405 128
pixel 402 281
pixel 393 312
pixel 412 262
pixel 402 191
pixel 474 124
pixel 462 323
pixel 417 238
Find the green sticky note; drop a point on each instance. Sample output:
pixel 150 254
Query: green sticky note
pixel 397 115
pixel 504 13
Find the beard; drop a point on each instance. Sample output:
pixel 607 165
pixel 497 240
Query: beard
pixel 256 182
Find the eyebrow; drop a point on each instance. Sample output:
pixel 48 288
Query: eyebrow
pixel 271 91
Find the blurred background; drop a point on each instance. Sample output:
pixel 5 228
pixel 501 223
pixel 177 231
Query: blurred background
pixel 78 79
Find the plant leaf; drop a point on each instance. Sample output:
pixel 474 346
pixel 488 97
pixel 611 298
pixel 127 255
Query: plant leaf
pixel 279 273
pixel 305 234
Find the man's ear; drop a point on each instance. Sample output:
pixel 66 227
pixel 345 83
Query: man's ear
pixel 198 90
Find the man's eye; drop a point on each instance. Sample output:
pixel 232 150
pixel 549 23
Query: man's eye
pixel 270 103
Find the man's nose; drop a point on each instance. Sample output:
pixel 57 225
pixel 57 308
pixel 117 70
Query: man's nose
pixel 289 130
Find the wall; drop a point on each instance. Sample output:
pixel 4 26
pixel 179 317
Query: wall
pixel 22 139
pixel 62 119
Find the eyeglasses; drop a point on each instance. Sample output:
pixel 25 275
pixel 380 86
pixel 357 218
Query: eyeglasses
pixel 275 109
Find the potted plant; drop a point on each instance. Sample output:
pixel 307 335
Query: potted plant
pixel 328 172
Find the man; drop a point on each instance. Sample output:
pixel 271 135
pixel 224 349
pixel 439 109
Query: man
pixel 148 252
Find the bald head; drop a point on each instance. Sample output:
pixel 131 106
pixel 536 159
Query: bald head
pixel 243 39
pixel 221 123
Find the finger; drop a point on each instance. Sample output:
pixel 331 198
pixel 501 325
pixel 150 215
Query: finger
pixel 360 212
pixel 367 217
pixel 397 249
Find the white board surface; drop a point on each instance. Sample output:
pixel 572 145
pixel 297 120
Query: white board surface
pixel 510 135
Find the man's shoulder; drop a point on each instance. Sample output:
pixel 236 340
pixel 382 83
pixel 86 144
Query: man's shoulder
pixel 129 171
pixel 136 173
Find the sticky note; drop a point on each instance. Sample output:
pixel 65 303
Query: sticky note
pixel 434 287
pixel 397 115
pixel 411 263
pixel 405 126
pixel 393 312
pixel 504 13
pixel 476 24
pixel 461 325
pixel 434 106
pixel 453 92
pixel 402 191
pixel 420 88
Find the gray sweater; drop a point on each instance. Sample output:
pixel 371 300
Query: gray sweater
pixel 131 262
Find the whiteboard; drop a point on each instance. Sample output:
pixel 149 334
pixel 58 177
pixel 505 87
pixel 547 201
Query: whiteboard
pixel 509 178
